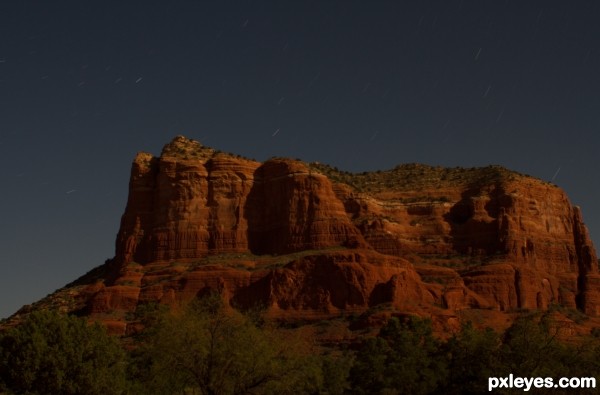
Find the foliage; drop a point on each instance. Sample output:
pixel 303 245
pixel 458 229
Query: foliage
pixel 335 371
pixel 52 353
pixel 405 359
pixel 472 358
pixel 207 349
pixel 413 177
pixel 530 347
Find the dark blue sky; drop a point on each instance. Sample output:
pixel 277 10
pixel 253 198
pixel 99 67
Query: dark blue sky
pixel 362 85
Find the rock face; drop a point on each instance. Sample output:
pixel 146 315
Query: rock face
pixel 309 241
pixel 183 207
pixel 516 240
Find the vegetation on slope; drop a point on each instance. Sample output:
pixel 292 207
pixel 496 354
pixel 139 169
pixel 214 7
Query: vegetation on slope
pixel 414 176
pixel 52 353
pixel 209 349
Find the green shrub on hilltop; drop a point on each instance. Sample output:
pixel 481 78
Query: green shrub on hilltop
pixel 415 176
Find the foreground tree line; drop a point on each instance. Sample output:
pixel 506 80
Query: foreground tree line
pixel 206 349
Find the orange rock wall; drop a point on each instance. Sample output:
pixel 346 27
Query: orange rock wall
pixel 505 243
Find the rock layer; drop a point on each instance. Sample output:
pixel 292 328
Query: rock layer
pixel 185 207
pixel 309 241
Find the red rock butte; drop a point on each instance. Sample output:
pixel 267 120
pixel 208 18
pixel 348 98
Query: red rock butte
pixel 307 241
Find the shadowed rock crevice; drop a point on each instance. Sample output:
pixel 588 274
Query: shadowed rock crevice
pixel 291 209
pixel 473 222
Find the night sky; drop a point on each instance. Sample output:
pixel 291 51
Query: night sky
pixel 361 85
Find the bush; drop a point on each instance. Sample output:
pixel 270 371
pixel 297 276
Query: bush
pixel 210 350
pixel 52 353
pixel 405 358
pixel 473 357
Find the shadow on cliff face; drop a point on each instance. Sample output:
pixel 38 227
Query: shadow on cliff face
pixel 475 225
pixel 264 237
pixel 253 296
pixel 278 212
pixel 288 209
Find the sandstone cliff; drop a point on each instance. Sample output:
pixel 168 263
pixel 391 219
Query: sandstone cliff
pixel 307 241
